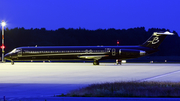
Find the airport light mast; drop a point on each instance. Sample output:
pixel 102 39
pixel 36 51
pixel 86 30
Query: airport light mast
pixel 3 23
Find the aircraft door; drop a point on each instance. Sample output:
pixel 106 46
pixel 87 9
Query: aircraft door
pixel 19 52
pixel 113 52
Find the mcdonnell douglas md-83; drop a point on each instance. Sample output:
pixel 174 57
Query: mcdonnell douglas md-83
pixel 95 53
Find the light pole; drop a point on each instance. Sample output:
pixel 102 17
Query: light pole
pixel 3 23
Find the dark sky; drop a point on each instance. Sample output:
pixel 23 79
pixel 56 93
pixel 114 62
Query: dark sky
pixel 91 14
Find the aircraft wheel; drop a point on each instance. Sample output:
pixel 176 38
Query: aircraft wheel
pixel 118 61
pixel 96 62
pixel 12 62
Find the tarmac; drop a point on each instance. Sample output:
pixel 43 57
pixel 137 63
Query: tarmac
pixel 42 81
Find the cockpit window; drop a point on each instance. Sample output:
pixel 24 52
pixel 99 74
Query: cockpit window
pixel 15 51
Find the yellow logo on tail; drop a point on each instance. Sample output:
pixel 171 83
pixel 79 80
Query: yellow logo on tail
pixel 155 40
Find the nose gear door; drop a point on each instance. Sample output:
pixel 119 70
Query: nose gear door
pixel 113 52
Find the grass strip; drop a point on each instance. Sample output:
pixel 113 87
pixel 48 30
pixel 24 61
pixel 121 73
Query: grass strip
pixel 128 89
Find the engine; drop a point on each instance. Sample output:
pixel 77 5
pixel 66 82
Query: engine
pixel 131 53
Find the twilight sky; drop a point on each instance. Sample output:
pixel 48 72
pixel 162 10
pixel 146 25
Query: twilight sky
pixel 91 14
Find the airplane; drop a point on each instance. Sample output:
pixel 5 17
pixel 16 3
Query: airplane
pixel 95 53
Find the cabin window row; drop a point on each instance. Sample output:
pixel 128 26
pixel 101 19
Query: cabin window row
pixel 70 51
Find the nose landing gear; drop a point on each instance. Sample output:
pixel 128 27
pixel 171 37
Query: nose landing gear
pixel 12 62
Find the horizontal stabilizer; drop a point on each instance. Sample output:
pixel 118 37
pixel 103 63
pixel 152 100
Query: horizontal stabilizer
pixel 163 33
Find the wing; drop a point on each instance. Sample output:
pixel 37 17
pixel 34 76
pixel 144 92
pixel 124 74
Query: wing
pixel 95 57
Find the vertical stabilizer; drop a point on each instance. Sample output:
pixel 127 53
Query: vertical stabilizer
pixel 156 39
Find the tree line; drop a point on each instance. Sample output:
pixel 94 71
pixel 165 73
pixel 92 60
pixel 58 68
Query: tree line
pixel 18 37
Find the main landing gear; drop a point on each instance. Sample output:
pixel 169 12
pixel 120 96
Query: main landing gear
pixel 118 61
pixel 96 62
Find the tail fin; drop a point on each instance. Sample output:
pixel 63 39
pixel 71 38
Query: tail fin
pixel 156 39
